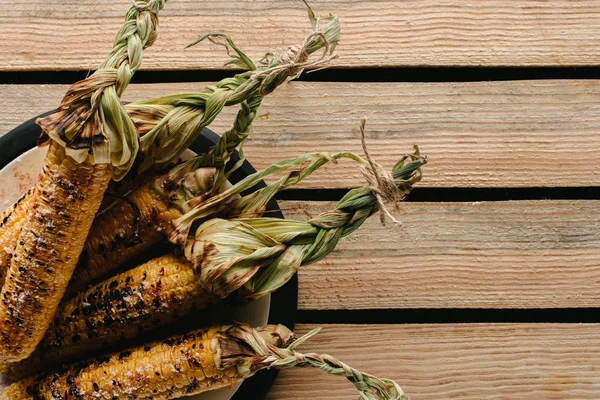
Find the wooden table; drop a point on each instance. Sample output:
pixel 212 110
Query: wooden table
pixel 491 287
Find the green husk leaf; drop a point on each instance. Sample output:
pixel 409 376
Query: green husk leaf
pixel 238 57
pixel 91 122
pixel 255 203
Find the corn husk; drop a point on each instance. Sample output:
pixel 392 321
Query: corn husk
pixel 169 124
pixel 254 204
pixel 187 113
pixel 91 121
pixel 255 256
pixel 250 350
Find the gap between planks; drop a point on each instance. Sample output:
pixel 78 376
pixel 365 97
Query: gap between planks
pixel 462 361
pixel 476 134
pixel 60 35
pixel 514 254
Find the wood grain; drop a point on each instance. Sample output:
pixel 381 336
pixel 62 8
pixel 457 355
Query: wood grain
pixel 516 254
pixel 467 361
pixel 59 35
pixel 482 134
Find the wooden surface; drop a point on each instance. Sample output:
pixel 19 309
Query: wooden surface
pixel 61 34
pixel 480 134
pixel 451 260
pixel 513 254
pixel 459 361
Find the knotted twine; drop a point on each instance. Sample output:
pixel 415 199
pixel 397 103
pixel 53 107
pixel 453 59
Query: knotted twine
pixel 91 121
pixel 380 182
pixel 295 60
pixel 267 355
pixel 143 6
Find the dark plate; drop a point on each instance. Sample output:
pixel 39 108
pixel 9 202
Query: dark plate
pixel 284 302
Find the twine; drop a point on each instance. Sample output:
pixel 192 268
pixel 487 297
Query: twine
pixel 380 182
pixel 294 61
pixel 369 387
pixel 141 6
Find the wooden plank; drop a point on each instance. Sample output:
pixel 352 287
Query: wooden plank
pixel 481 134
pixel 67 35
pixel 466 361
pixel 517 254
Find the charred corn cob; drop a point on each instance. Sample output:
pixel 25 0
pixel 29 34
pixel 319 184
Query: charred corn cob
pixel 150 295
pixel 90 139
pixel 193 363
pixel 13 217
pixel 170 369
pixel 60 215
pixel 115 237
pixel 11 221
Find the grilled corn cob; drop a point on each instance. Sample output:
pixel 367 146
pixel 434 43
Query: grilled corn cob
pixel 90 139
pixel 10 225
pixel 115 237
pixel 170 369
pixel 60 215
pixel 13 217
pixel 150 295
pixel 193 363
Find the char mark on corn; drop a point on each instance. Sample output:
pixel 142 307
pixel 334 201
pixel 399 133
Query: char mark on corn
pixel 11 221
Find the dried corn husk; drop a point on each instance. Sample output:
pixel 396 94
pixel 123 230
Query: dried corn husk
pixel 255 256
pixel 91 122
pixel 260 352
pixel 254 204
